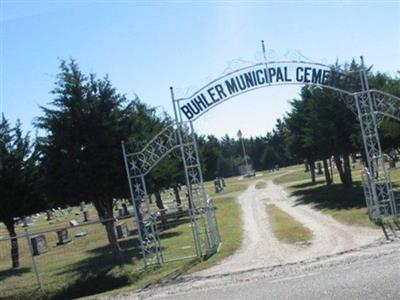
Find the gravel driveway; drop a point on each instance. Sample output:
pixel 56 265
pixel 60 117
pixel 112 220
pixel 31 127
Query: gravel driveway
pixel 263 256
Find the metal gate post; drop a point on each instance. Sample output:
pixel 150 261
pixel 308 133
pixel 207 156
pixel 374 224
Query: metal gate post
pixel 198 193
pixel 192 213
pixel 148 237
pixel 35 270
pixel 153 232
pixel 135 206
pixel 211 224
pixel 380 186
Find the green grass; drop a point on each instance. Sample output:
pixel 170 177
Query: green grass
pixel 229 218
pixel 231 229
pixel 287 229
pixel 85 267
pixel 297 175
pixel 300 175
pixel 347 205
pixel 261 185
pixel 280 172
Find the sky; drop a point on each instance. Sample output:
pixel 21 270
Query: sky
pixel 147 46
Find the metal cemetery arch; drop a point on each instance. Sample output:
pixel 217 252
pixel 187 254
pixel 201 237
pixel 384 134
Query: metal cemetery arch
pixel 370 106
pixel 201 209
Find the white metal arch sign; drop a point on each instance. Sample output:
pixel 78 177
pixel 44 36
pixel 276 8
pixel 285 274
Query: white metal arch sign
pixel 258 76
pixel 369 105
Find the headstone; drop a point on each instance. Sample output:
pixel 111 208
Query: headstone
pixel 120 212
pixel 122 230
pixel 81 234
pixel 39 244
pixel 73 223
pixel 27 221
pixel 217 185
pixel 223 181
pixel 392 163
pixel 319 168
pixel 221 186
pixel 63 237
pixel 49 214
pixel 125 208
pixel 85 216
pixel 306 166
pixel 82 205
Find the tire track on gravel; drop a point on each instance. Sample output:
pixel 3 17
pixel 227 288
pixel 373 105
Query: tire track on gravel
pixel 260 248
pixel 263 256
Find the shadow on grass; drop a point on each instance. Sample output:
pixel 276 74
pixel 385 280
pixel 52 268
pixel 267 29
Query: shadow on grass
pixel 92 284
pixel 13 272
pixel 100 273
pixel 307 184
pixel 335 196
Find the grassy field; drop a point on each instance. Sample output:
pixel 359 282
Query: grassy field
pixel 228 212
pixel 85 266
pixel 261 185
pixel 347 205
pixel 286 229
pixel 296 173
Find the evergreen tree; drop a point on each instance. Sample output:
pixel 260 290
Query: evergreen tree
pixel 20 181
pixel 82 156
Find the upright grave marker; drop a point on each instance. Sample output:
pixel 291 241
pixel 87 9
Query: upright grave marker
pixel 39 244
pixel 63 237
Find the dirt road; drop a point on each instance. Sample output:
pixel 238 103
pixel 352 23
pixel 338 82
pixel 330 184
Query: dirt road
pixel 263 255
pixel 260 247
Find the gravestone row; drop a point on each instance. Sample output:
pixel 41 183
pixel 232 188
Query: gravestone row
pixel 39 241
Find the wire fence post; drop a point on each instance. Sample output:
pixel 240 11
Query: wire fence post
pixel 35 270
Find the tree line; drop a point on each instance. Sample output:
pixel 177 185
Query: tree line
pixel 77 157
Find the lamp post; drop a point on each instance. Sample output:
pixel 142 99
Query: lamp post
pixel 240 135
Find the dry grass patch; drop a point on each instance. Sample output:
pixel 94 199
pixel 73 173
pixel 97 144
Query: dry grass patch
pixel 287 229
pixel 261 185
